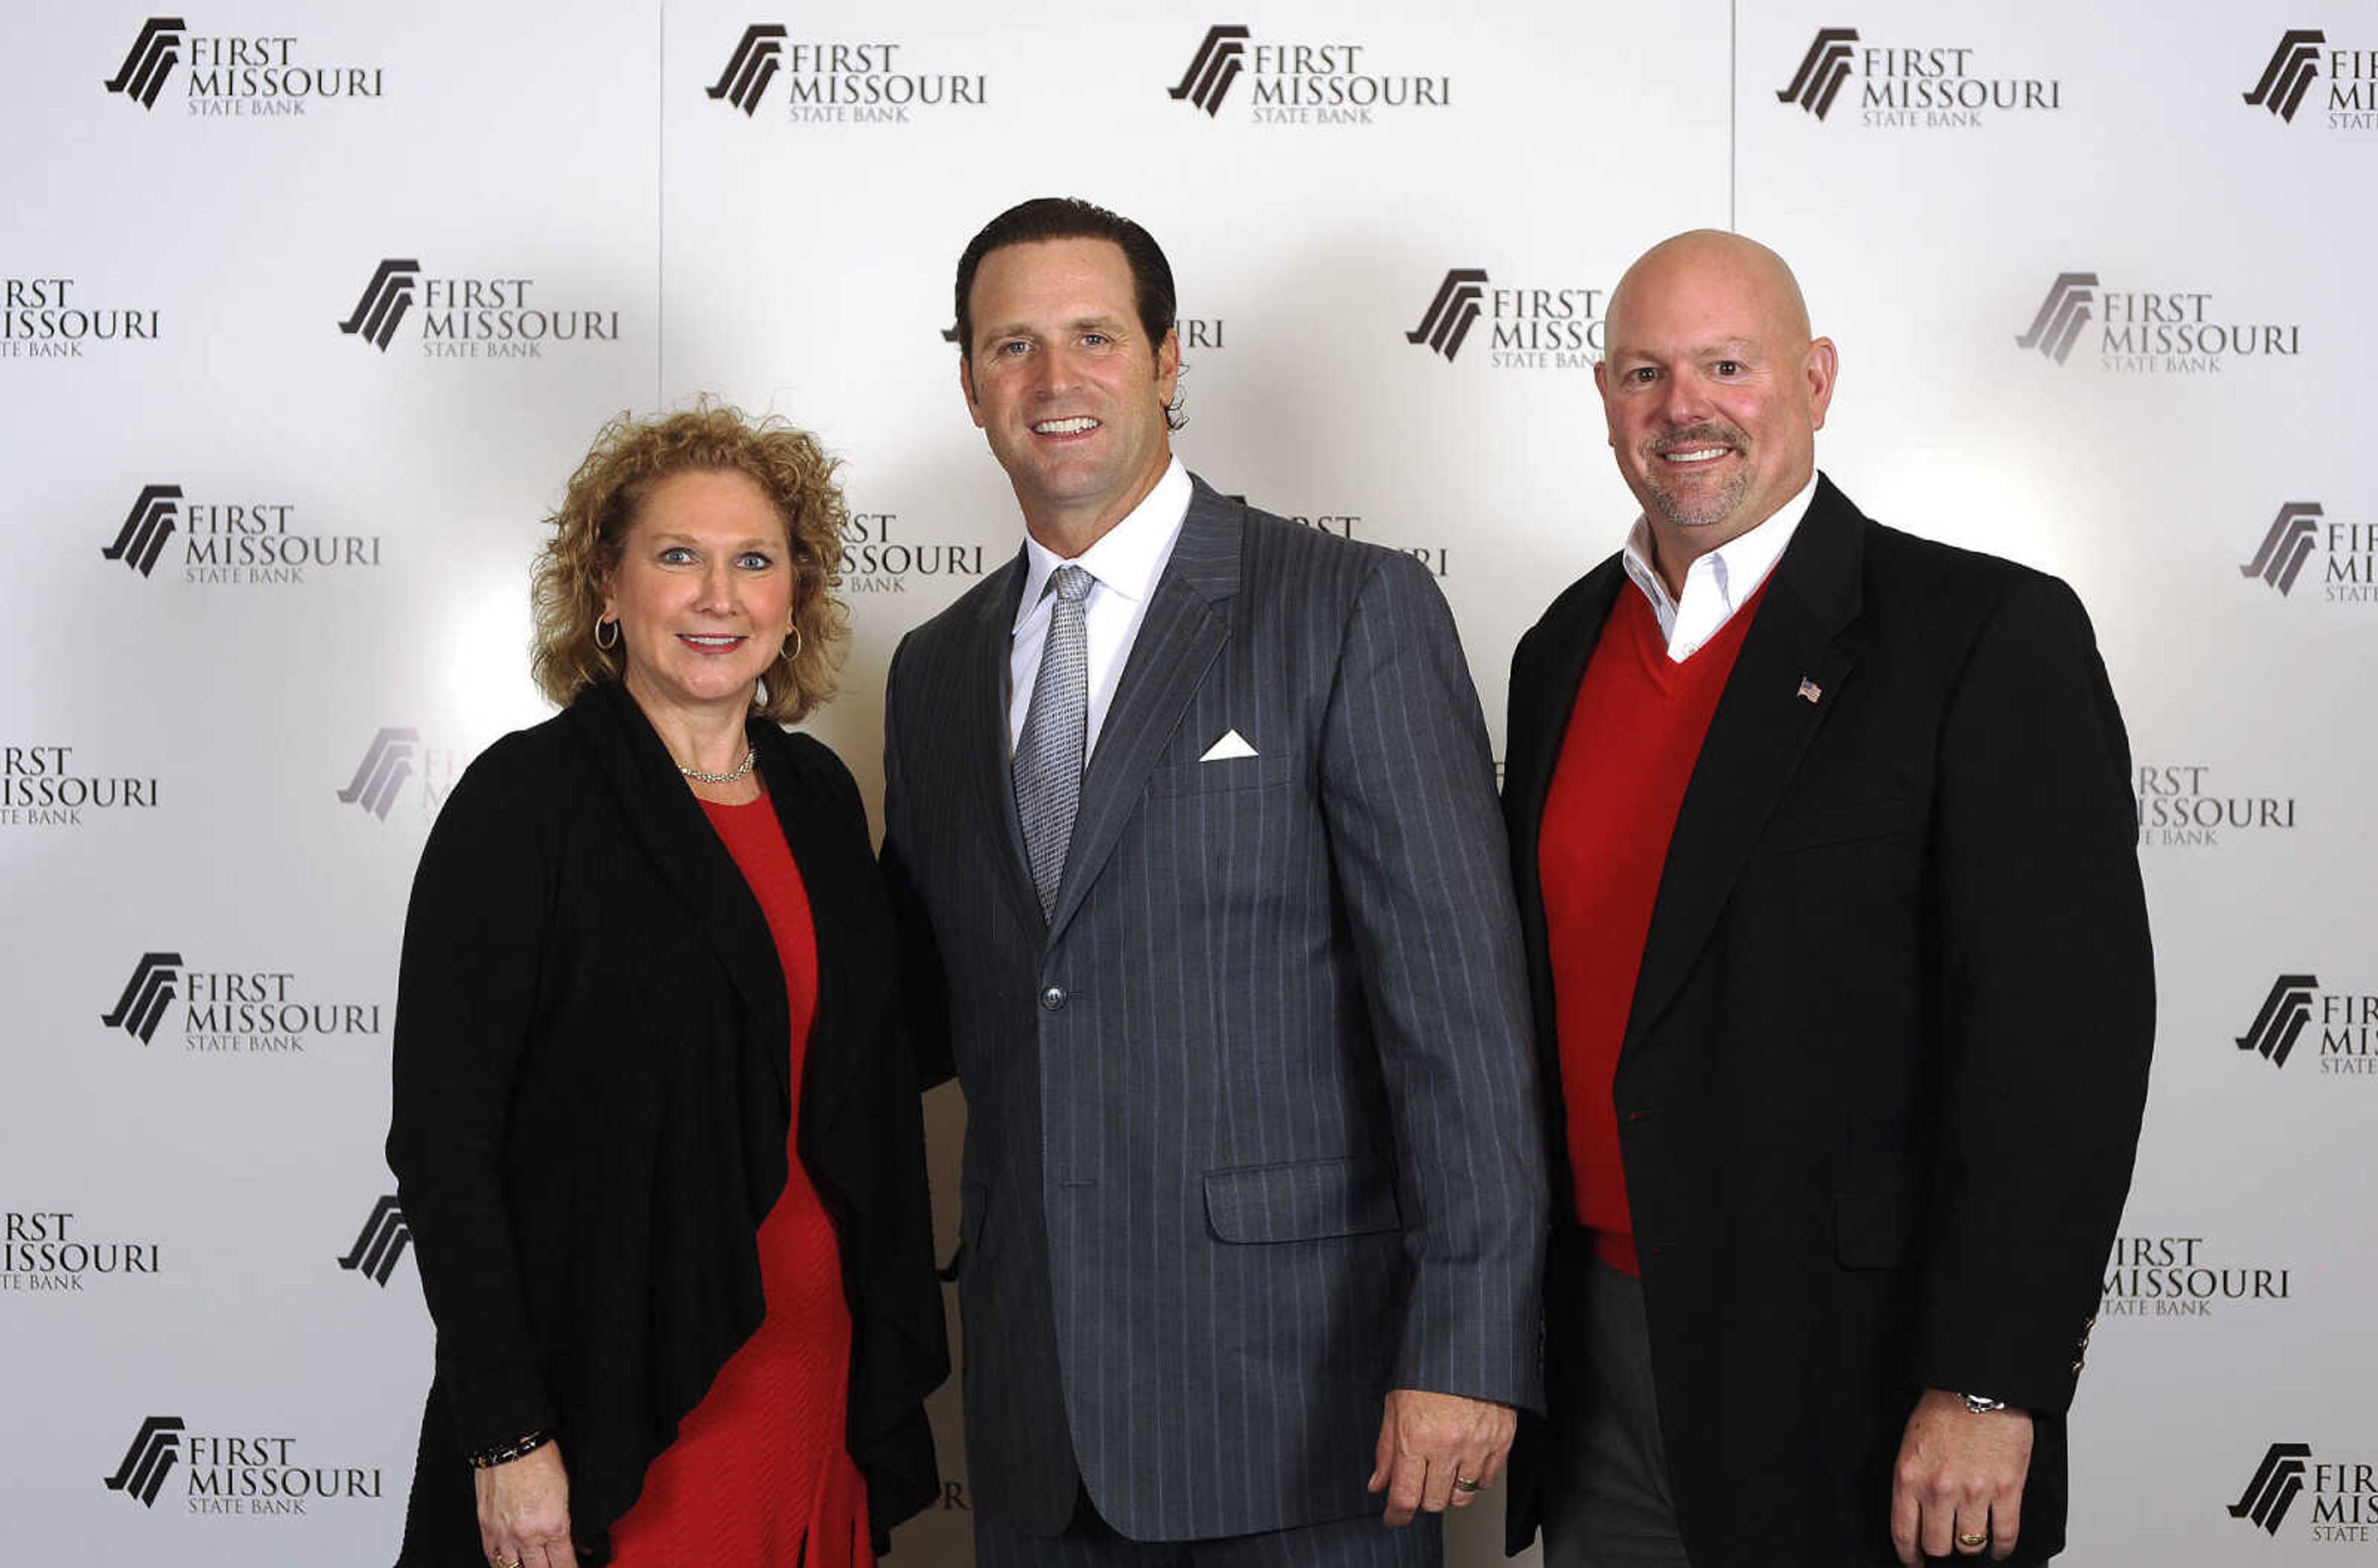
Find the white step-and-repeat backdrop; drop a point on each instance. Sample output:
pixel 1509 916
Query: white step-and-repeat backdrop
pixel 311 307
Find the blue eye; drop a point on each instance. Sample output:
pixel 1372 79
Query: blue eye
pixel 754 561
pixel 676 554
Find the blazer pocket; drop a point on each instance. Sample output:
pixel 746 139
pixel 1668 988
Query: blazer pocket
pixel 1303 1200
pixel 1874 1230
pixel 1226 773
pixel 1848 823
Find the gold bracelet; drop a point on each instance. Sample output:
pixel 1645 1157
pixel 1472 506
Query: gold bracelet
pixel 488 1458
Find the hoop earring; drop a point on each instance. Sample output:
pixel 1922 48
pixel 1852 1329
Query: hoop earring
pixel 606 647
pixel 789 654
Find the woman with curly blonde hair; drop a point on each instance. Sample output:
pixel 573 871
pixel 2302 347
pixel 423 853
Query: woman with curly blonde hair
pixel 655 1128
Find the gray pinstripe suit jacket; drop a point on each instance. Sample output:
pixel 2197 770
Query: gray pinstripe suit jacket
pixel 1253 1122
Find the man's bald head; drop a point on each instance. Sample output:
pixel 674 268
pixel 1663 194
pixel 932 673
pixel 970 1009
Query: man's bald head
pixel 1712 388
pixel 1748 270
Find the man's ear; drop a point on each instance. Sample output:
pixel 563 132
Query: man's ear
pixel 965 385
pixel 1824 365
pixel 1168 366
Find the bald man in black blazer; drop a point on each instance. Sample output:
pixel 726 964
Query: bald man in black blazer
pixel 1878 1077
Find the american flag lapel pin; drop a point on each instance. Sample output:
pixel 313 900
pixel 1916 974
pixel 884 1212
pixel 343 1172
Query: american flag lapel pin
pixel 1810 689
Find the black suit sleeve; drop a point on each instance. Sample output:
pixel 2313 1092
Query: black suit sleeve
pixel 466 989
pixel 2047 998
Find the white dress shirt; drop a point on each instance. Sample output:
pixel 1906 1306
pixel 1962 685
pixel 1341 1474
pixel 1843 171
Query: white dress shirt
pixel 1718 582
pixel 1123 566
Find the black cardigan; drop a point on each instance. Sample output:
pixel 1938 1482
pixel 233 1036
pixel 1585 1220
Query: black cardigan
pixel 591 1103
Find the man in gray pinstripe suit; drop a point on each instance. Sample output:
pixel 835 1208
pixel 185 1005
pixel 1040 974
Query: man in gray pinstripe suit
pixel 1191 818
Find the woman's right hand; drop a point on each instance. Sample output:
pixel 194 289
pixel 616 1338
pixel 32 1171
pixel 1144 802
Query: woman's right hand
pixel 524 1511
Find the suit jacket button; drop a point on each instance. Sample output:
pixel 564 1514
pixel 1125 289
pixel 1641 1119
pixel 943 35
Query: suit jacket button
pixel 1053 999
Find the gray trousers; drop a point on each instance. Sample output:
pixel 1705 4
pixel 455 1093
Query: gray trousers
pixel 1090 1542
pixel 1607 1502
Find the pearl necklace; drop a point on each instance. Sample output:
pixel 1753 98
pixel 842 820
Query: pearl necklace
pixel 751 756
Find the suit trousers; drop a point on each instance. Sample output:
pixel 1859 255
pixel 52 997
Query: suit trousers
pixel 1090 1542
pixel 1606 1500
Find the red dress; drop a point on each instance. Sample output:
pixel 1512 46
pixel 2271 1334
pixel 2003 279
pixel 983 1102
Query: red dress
pixel 759 1473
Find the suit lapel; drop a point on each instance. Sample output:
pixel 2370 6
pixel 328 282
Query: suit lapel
pixel 1188 619
pixel 668 822
pixel 1761 727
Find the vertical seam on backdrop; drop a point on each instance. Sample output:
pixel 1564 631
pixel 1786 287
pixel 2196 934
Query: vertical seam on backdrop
pixel 1732 101
pixel 660 207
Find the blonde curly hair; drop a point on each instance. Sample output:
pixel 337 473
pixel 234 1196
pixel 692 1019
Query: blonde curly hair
pixel 629 458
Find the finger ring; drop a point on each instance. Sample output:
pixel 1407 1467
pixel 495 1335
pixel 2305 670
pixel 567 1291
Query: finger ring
pixel 1463 1483
pixel 1972 1539
pixel 501 1561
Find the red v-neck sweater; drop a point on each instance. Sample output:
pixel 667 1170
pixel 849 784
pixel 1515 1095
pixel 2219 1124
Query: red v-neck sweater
pixel 1634 735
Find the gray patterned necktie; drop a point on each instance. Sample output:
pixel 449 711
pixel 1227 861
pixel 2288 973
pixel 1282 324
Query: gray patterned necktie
pixel 1049 757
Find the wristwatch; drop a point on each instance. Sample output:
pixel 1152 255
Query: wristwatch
pixel 1982 1404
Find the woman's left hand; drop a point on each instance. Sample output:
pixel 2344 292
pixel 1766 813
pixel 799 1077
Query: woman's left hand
pixel 524 1511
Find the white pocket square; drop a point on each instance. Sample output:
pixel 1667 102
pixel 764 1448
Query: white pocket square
pixel 1231 744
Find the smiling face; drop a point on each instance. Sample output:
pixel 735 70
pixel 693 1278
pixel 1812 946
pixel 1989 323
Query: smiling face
pixel 1066 386
pixel 703 593
pixel 1712 389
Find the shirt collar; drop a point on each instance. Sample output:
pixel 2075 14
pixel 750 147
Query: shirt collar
pixel 1128 557
pixel 1735 568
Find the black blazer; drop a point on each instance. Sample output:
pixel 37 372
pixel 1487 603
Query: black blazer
pixel 591 1104
pixel 1882 1076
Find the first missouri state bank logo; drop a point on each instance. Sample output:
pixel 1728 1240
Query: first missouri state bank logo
pixel 385 300
pixel 2152 331
pixel 753 67
pixel 2348 553
pixel 243 1474
pixel 2294 64
pixel 1822 71
pixel 471 315
pixel 2299 63
pixel 2290 541
pixel 399 776
pixel 2347 1023
pixel 1215 66
pixel 380 776
pixel 2285 1013
pixel 146 527
pixel 1903 87
pixel 1527 329
pixel 2062 315
pixel 380 1245
pixel 2344 1495
pixel 1300 84
pixel 254 74
pixel 255 1010
pixel 1452 313
pixel 837 82
pixel 145 996
pixel 151 59
pixel 156 1449
pixel 2277 1482
pixel 231 542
